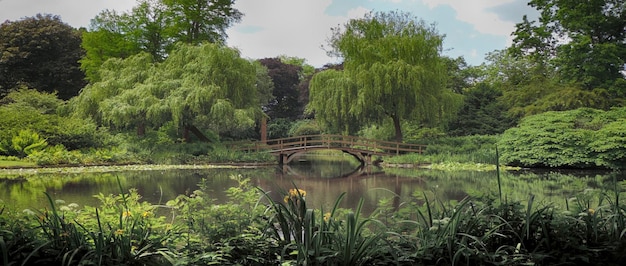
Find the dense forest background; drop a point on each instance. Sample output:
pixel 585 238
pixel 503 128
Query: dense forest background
pixel 161 74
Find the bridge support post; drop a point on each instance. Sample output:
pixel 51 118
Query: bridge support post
pixel 283 159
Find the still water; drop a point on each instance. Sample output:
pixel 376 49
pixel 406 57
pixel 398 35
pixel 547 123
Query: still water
pixel 323 180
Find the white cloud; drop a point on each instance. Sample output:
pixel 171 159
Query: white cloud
pixel 478 14
pixel 77 13
pixel 474 53
pixel 290 27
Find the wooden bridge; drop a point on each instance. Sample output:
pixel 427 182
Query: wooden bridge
pixel 361 148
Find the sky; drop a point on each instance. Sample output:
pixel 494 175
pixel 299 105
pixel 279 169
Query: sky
pixel 300 28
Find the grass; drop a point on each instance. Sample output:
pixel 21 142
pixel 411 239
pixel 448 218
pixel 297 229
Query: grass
pixel 16 164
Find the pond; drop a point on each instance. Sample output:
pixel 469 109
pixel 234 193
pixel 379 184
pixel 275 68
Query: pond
pixel 323 180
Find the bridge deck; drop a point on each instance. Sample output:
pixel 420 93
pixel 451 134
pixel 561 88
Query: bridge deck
pixel 349 144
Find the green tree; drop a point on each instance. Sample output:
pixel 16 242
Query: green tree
pixel 154 26
pixel 196 21
pixel 531 87
pixel 481 113
pixel 586 41
pixel 107 39
pixel 206 87
pixel 392 68
pixel 40 52
pixel 286 78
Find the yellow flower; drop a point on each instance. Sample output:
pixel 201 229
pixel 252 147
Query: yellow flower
pixel 146 214
pixel 326 216
pixel 591 211
pixel 286 199
pixel 294 192
pixel 127 214
pixel 119 232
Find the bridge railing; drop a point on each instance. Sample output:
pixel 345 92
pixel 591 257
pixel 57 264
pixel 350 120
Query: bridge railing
pixel 331 142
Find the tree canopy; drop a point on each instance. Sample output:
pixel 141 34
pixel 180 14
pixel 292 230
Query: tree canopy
pixel 40 52
pixel 392 68
pixel 154 26
pixel 206 87
pixel 585 41
pixel 286 78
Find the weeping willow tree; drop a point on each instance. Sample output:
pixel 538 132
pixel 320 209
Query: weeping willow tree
pixel 392 69
pixel 206 87
pixel 117 77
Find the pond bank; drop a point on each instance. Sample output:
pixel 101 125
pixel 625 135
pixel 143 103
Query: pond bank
pixel 116 168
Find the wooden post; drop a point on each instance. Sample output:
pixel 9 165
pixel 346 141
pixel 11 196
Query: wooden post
pixel 264 130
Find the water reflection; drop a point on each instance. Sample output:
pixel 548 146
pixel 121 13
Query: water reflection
pixel 323 179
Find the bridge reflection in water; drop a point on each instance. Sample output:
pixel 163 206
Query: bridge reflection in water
pixel 326 180
pixel 286 149
pixel 359 171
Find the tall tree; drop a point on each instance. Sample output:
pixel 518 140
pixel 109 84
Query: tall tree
pixel 154 26
pixel 205 87
pixel 286 78
pixel 109 37
pixel 585 40
pixel 392 68
pixel 481 113
pixel 196 21
pixel 40 52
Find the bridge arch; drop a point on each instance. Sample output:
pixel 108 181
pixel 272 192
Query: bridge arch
pixel 361 148
pixel 363 157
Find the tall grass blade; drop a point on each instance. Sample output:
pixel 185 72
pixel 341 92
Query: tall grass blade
pixel 498 173
pixel 430 214
pixel 528 215
pixel 5 252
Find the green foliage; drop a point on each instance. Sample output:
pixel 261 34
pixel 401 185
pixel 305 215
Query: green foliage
pixel 286 78
pixel 28 142
pixel 580 138
pixel 585 41
pixel 255 228
pixel 31 110
pixel 392 69
pixel 477 149
pixel 279 128
pixel 209 230
pixel 481 113
pixel 59 155
pixel 320 238
pixel 34 49
pixel 153 27
pixel 223 155
pixel 207 86
pixel 304 127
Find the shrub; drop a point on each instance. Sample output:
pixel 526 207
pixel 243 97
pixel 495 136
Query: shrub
pixel 279 128
pixel 35 111
pixel 304 127
pixel 581 138
pixel 28 142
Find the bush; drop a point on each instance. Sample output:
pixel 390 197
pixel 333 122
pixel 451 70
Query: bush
pixel 581 138
pixel 279 128
pixel 28 142
pixel 35 111
pixel 304 127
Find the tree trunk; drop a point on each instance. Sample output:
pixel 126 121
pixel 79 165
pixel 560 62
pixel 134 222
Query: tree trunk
pixel 396 125
pixel 197 132
pixel 141 129
pixel 186 138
